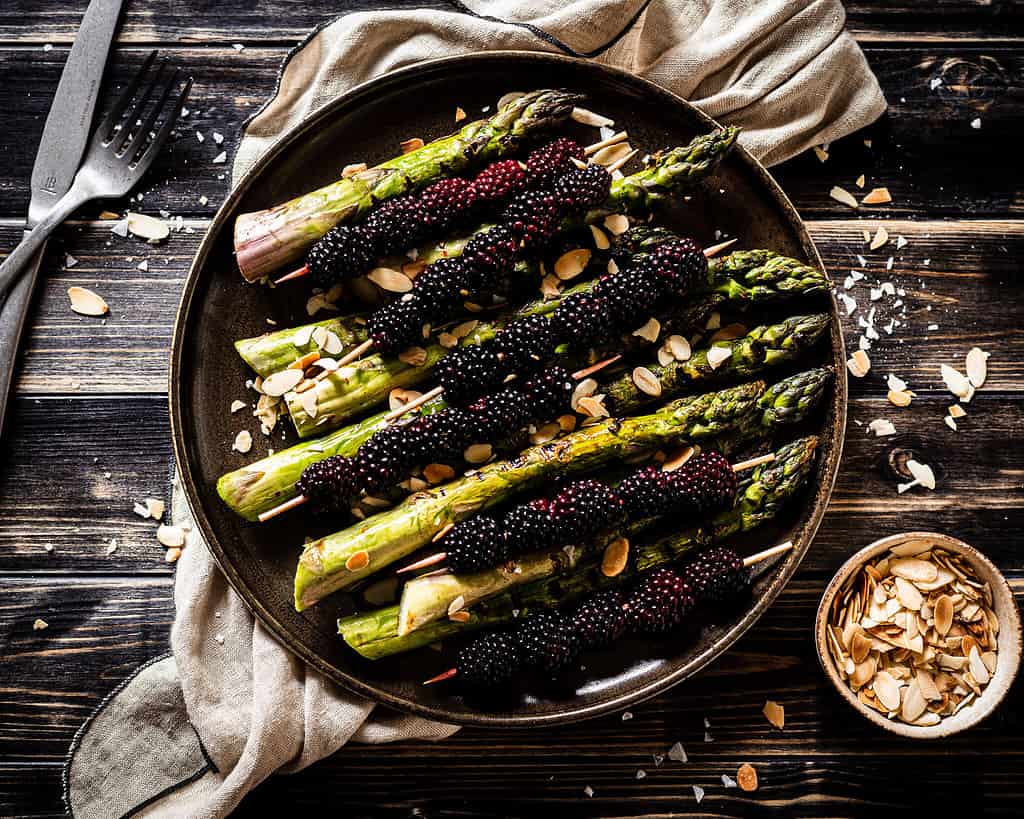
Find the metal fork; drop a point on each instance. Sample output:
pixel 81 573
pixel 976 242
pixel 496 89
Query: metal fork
pixel 121 151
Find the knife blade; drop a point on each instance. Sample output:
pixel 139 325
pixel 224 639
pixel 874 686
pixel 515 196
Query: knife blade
pixel 65 135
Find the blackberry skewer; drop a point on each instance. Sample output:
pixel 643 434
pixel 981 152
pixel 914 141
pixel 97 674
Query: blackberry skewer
pixel 585 508
pixel 347 251
pixel 615 304
pixel 660 601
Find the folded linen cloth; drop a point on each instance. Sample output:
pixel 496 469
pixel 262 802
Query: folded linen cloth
pixel 191 733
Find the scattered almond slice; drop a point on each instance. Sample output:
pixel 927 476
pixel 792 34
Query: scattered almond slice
pixel 413 356
pixel 880 238
pixel 775 714
pixel 859 364
pixel 956 411
pixel 353 169
pixel 386 278
pixel 650 330
pixel 243 442
pixel 900 398
pixel 173 554
pixel 955 381
pixel 282 382
pixel 478 453
pixel 877 196
pixel 616 223
pixel 459 114
pixel 615 557
pixel 718 355
pixel 147 227
pixel 950 422
pixel 601 241
pixel 586 387
pixel 895 384
pixel 87 303
pixel 679 347
pixel 237 405
pixel 586 117
pixel 844 197
pixel 438 473
pixel 155 508
pixel 410 145
pixel 646 381
pixel 882 427
pixel 592 406
pixel 746 777
pixel 860 181
pixel 170 536
pixel 821 153
pixel 569 265
pixel 977 367
pixel 39 624
pixel 612 154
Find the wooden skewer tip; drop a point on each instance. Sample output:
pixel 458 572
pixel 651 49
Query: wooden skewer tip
pixel 714 250
pixel 355 353
pixel 416 403
pixel 422 564
pixel 445 675
pixel 295 274
pixel 767 553
pixel 614 139
pixel 593 368
pixel 620 162
pixel 281 508
pixel 751 463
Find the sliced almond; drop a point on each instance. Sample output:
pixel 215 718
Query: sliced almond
pixel 478 453
pixel 569 265
pixel 858 364
pixel 459 115
pixel 775 714
pixel 615 557
pixel 955 381
pixel 586 387
pixel 844 197
pixel 877 196
pixel 616 223
pixel 909 596
pixel 746 777
pixel 359 561
pixel 173 554
pixel 863 672
pixel 386 278
pixel 978 668
pixel 546 433
pixel 646 381
pixel 308 400
pixel 170 536
pixel 611 154
pixel 410 145
pixel 155 508
pixel 887 689
pixel 447 340
pixel 458 604
pixel 243 442
pixel 147 227
pixel 438 473
pixel 592 406
pixel 899 398
pixel 650 330
pixel 353 169
pixel 943 614
pixel 914 704
pixel 413 356
pixel 977 366
pixel 601 241
pixel 679 347
pixel 881 235
pixel 586 117
pixel 956 411
pixel 914 569
pixel 282 382
pixel 678 458
pixel 460 616
pixel 87 303
pixel 923 474
pixel 718 355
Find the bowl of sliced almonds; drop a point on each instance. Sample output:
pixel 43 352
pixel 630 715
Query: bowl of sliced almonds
pixel 920 633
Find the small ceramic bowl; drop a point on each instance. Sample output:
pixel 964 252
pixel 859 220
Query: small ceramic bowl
pixel 1008 640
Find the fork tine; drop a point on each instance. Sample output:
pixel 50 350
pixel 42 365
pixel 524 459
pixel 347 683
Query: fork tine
pixel 142 134
pixel 149 152
pixel 135 115
pixel 105 131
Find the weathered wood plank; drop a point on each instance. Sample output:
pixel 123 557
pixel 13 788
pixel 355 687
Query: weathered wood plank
pixel 961 276
pixel 926 152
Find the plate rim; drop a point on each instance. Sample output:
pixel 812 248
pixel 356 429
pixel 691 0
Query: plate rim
pixel 462 715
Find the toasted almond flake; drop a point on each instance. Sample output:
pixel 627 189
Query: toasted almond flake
pixel 914 569
pixel 843 196
pixel 746 777
pixel 611 154
pixel 447 340
pixel 880 238
pixel 39 624
pixel 922 473
pixel 679 347
pixel 569 265
pixel 678 458
pixel 243 442
pixel 896 384
pixel 438 473
pixel 616 223
pixel 775 714
pixel 650 330
pixel 386 278
pixel 908 595
pixel 914 703
pixel 140 510
pixel 955 381
pixel 147 227
pixel 585 388
pixel 359 561
pixel 860 182
pixel 170 536
pixel 282 382
pixel 950 422
pixel 459 114
pixel 478 453
pixel 546 433
pixel 410 145
pixel 460 616
pixel 87 303
pixel 858 364
pixel 353 169
pixel 237 405
pixel 601 241
pixel 586 117
pixel 457 604
pixel 864 672
pixel 465 328
pixel 729 332
pixel 172 554
pixel 899 398
pixel 956 411
pixel 615 557
pixel 567 423
pixel 977 366
pixel 646 381
pixel 718 355
pixel 978 668
pixel 308 401
pixel 413 269
pixel 592 406
pixel 413 356
pixel 887 689
pixel 155 508
pixel 714 321
pixel 877 196
pixel 821 153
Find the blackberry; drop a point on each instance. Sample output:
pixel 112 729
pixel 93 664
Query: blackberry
pixel 437 438
pixel 535 217
pixel 526 343
pixel 468 371
pixel 717 575
pixel 601 619
pixel 474 545
pixel 547 393
pixel 327 483
pixel 648 492
pixel 659 602
pixel 398 223
pixel 547 641
pixel 498 415
pixel 631 295
pixel 582 319
pixel 583 188
pixel 706 483
pixel 448 202
pixel 551 161
pixel 488 661
pixel 586 507
pixel 529 527
pixel 383 460
pixel 397 325
pixel 490 255
pixel 682 263
pixel 344 252
pixel 499 182
pixel 440 288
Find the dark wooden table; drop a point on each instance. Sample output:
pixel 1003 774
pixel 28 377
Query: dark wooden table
pixel 89 435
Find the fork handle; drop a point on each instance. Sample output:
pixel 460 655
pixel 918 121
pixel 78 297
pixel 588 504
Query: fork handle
pixel 15 263
pixel 13 318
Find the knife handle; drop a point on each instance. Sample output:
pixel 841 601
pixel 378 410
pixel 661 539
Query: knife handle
pixel 13 315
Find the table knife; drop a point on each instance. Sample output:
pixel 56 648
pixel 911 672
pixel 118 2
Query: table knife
pixel 67 130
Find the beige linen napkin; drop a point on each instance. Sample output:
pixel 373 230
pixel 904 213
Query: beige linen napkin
pixel 190 734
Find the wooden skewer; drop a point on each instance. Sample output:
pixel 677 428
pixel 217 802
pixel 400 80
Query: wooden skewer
pixel 767 553
pixel 747 563
pixel 614 139
pixel 416 403
pixel 355 353
pixel 618 163
pixel 295 274
pixel 579 375
pixel 714 250
pixel 752 462
pixel 281 508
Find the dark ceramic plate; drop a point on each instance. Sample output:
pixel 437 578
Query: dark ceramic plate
pixel 218 307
